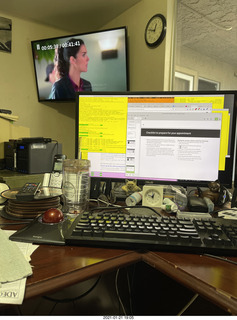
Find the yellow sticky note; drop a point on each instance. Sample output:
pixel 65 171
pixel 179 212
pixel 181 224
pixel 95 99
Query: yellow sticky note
pixel 225 125
pixel 217 101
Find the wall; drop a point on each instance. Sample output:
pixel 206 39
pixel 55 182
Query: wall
pixel 208 68
pixel 56 120
pixel 147 66
pixel 18 90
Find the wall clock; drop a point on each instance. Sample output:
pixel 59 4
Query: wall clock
pixel 155 30
pixel 152 195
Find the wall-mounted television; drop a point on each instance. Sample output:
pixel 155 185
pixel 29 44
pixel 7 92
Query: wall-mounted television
pixel 93 61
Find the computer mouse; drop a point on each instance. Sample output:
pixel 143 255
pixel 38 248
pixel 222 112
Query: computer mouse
pixel 52 215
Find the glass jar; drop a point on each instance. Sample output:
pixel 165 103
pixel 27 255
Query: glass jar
pixel 76 184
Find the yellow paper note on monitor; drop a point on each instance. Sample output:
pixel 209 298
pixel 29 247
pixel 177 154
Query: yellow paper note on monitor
pixel 217 101
pixel 224 143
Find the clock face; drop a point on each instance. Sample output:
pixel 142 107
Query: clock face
pixel 152 196
pixel 155 30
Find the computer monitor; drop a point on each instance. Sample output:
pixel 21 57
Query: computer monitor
pixel 178 138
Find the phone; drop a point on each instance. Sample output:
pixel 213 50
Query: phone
pixel 55 178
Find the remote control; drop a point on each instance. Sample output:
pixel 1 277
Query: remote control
pixel 27 192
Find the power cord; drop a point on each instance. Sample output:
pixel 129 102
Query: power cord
pixel 106 202
pixel 129 287
pixel 130 293
pixel 67 300
pixel 188 304
pixel 220 258
pixel 126 207
pixel 117 292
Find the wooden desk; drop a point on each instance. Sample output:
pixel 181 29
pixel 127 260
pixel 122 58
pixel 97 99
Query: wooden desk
pixel 211 278
pixel 57 267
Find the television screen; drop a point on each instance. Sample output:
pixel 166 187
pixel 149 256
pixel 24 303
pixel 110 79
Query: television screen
pixel 184 138
pixel 95 61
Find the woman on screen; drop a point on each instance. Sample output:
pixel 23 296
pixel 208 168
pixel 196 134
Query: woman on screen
pixel 72 61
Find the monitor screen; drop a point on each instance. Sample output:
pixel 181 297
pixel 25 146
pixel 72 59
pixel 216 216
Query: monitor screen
pixel 81 62
pixel 184 138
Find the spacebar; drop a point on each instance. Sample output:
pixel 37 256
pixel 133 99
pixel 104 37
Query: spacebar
pixel 129 235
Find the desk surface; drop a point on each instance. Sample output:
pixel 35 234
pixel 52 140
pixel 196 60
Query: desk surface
pixel 56 267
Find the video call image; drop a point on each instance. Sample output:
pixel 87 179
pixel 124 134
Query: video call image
pixel 88 62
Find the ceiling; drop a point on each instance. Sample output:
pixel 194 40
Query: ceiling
pixel 202 24
pixel 69 15
pixel 209 27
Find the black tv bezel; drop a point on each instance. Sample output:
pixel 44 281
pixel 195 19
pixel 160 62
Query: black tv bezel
pixel 225 177
pixel 80 35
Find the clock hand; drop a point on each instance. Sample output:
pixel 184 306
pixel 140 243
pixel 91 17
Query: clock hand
pixel 153 29
pixel 152 196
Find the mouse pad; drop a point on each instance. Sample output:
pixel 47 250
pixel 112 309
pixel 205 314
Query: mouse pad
pixel 43 233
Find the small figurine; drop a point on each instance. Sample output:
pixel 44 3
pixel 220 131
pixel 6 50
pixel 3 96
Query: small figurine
pixel 130 186
pixel 214 191
pixel 214 186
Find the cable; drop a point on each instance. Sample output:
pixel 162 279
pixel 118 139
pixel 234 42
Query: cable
pixel 121 207
pixel 220 258
pixel 130 293
pixel 117 292
pixel 56 145
pixel 38 306
pixel 67 300
pixel 145 207
pixel 18 308
pixel 188 304
pixel 104 202
pixel 127 207
pixel 52 309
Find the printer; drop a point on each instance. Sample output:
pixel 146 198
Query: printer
pixel 36 155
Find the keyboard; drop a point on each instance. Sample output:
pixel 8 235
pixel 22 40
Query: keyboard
pixel 153 232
